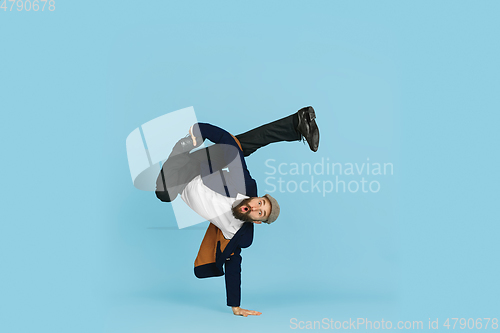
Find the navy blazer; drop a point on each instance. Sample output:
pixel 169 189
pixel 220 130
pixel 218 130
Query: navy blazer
pixel 226 154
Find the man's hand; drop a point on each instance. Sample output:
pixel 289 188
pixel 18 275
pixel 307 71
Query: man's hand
pixel 192 136
pixel 242 312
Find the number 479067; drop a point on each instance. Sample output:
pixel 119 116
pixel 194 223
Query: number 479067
pixel 28 5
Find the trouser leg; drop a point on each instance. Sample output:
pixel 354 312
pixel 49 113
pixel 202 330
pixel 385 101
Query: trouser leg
pixel 284 129
pixel 177 171
pixel 180 168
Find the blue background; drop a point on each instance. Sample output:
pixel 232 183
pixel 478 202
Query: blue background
pixel 413 83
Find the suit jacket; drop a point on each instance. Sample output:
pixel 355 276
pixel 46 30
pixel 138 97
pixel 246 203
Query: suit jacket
pixel 215 251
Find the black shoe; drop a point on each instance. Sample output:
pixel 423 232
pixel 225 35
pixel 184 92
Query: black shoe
pixel 308 128
pixel 164 196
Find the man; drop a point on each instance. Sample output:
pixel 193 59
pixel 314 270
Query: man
pixel 216 184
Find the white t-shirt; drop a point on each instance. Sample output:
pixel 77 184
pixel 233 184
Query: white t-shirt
pixel 213 206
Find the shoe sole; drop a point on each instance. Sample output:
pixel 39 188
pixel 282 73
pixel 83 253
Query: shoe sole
pixel 311 114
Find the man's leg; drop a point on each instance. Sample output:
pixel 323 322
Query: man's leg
pixel 177 171
pixel 280 130
pixel 286 129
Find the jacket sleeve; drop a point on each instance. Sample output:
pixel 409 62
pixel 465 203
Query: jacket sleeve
pixel 233 279
pixel 214 134
pixel 233 156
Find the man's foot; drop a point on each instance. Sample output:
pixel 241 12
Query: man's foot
pixel 308 128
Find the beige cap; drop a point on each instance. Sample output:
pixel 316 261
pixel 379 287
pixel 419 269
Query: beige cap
pixel 275 209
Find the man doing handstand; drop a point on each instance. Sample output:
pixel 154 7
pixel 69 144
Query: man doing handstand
pixel 217 185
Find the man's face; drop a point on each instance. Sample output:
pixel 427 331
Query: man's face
pixel 254 210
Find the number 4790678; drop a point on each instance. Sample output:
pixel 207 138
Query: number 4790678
pixel 28 5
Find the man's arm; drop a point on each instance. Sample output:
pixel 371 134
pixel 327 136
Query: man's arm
pixel 233 157
pixel 212 133
pixel 195 143
pixel 233 286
